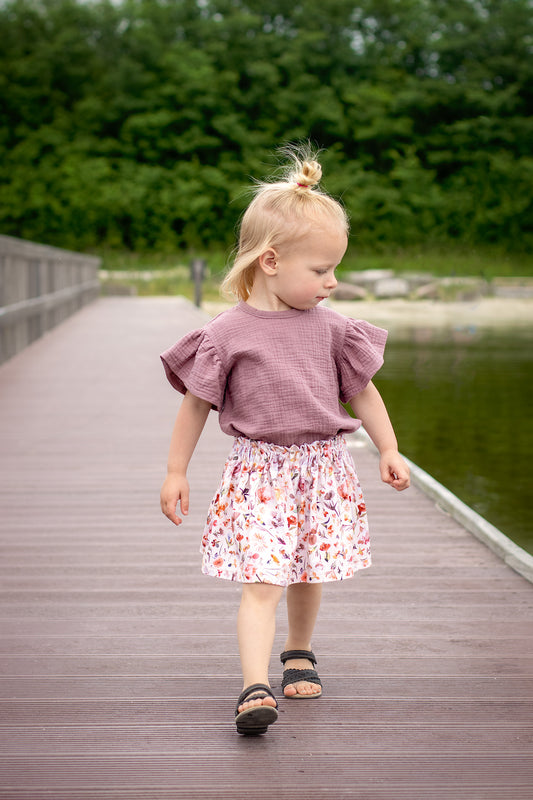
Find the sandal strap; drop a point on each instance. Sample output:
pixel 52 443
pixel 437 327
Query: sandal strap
pixel 297 675
pixel 287 655
pixel 252 690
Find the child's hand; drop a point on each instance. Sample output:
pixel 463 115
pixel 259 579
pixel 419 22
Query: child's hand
pixel 394 470
pixel 175 489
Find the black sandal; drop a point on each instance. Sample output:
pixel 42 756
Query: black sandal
pixel 296 675
pixel 255 720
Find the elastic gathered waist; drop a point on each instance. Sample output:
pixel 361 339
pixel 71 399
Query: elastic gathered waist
pixel 269 449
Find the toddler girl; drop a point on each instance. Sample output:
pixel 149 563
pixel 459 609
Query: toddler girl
pixel 289 511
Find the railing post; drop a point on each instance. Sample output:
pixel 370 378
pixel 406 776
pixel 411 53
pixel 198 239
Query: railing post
pixel 198 266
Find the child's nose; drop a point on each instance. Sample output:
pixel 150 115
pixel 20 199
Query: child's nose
pixel 331 281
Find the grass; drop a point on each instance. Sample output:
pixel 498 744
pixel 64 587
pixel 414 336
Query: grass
pixel 162 273
pixel 444 262
pixel 169 273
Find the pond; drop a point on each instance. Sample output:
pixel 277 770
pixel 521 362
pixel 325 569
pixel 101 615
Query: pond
pixel 461 408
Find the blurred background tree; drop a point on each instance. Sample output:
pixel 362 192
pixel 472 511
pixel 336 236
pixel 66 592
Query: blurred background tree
pixel 137 125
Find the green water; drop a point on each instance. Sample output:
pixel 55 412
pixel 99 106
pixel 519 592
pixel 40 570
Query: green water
pixel 461 408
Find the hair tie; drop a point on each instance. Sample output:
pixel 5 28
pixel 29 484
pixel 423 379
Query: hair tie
pixel 303 185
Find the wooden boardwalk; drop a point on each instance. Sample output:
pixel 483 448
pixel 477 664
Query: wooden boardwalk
pixel 119 666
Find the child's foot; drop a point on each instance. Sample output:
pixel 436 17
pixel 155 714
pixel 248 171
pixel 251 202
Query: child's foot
pixel 300 687
pixel 262 700
pixel 300 679
pixel 256 709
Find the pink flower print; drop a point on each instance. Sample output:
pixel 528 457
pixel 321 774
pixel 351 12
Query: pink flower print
pixel 325 546
pixel 312 537
pixel 218 562
pixel 265 494
pixel 344 491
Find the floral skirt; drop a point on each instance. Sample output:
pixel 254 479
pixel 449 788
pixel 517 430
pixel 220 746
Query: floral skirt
pixel 287 515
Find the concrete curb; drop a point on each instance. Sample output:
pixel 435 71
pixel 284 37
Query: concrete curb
pixel 514 556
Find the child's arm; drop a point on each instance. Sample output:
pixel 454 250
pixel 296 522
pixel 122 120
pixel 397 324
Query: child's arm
pixel 192 416
pixel 369 407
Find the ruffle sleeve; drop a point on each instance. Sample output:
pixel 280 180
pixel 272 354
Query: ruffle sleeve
pixel 193 364
pixel 360 358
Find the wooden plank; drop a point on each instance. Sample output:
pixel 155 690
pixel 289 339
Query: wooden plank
pixel 154 772
pixel 451 687
pixel 394 738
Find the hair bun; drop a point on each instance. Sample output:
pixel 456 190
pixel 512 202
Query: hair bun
pixel 309 175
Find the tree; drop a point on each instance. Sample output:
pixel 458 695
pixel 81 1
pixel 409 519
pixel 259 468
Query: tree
pixel 138 124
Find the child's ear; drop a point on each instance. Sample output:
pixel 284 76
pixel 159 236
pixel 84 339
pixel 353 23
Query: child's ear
pixel 268 261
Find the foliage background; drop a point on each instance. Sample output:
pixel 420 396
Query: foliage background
pixel 136 125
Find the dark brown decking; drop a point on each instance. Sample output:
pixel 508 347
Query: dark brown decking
pixel 119 667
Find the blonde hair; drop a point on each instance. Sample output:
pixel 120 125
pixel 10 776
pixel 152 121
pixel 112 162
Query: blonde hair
pixel 281 210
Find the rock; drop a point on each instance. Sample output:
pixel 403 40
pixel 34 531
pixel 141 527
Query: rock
pixel 348 291
pixel 453 289
pixel 417 279
pixel 391 287
pixel 520 288
pixel 431 291
pixel 368 277
pixel 462 289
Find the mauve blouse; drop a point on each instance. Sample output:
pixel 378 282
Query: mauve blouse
pixel 278 376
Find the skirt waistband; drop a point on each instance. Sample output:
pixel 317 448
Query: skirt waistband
pixel 320 446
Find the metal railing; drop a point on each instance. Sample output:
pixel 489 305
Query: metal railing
pixel 40 286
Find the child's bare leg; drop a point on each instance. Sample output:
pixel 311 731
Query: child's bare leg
pixel 303 604
pixel 256 627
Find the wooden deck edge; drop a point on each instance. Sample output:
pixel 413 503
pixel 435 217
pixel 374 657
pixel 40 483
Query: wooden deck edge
pixel 512 554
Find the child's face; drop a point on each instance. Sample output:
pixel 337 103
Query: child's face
pixel 304 272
